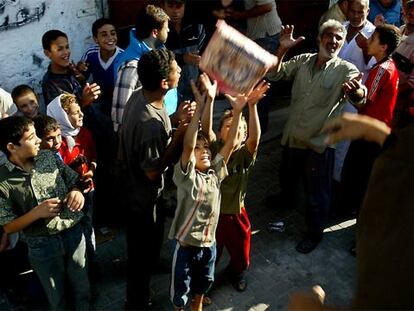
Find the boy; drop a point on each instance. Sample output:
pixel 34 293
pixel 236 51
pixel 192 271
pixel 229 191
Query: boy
pixel 39 195
pixel 149 148
pixel 198 179
pixel 48 130
pixel 99 60
pixel 62 75
pixel 382 87
pixel 26 101
pixel 233 230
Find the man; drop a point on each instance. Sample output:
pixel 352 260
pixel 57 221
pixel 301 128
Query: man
pixel 150 32
pixel 337 12
pixel 320 83
pixel 148 151
pixel 263 27
pixel 354 50
pixel 186 40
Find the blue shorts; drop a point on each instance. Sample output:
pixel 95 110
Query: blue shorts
pixel 192 269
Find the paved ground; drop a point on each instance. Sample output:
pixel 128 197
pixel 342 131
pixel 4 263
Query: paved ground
pixel 276 268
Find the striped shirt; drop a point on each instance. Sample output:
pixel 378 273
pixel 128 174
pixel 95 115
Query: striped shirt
pixel 198 203
pixel 264 25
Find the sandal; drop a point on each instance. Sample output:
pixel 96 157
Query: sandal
pixel 240 284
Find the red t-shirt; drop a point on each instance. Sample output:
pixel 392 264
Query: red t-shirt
pixel 382 85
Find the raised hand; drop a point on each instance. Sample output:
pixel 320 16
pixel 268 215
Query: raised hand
pixel 185 110
pixel 237 102
pixel 258 93
pixel 206 85
pixel 90 93
pixel 286 37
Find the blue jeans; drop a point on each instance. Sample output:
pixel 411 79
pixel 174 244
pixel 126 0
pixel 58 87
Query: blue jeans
pixel 193 268
pixel 57 257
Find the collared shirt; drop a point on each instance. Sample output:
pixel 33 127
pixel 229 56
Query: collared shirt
pixel 198 203
pixel 317 96
pixel 264 25
pixel 21 191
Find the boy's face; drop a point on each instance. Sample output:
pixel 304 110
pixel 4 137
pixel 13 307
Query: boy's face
pixel 28 105
pixel 375 48
pixel 106 37
pixel 28 146
pixel 59 52
pixel 175 74
pixel 175 10
pixel 225 128
pixel 51 140
pixel 75 115
pixel 202 155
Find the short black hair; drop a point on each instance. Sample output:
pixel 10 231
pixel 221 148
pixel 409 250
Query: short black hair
pixel 50 36
pixel 12 130
pixel 99 23
pixel 153 67
pixel 45 124
pixel 389 35
pixel 21 90
pixel 148 19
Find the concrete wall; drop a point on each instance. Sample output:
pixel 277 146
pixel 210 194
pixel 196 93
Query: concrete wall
pixel 22 24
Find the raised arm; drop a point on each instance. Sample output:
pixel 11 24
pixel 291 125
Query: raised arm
pixel 210 94
pixel 286 42
pixel 254 97
pixel 190 137
pixel 238 104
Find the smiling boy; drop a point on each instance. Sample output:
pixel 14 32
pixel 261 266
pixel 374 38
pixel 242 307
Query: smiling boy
pixel 26 101
pixel 39 196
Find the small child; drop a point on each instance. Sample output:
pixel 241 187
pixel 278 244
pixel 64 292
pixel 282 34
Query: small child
pixel 62 75
pixel 98 61
pixel 26 101
pixel 48 130
pixel 198 179
pixel 77 151
pixel 233 229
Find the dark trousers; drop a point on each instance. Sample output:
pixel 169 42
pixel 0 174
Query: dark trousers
pixel 356 172
pixel 145 233
pixel 308 173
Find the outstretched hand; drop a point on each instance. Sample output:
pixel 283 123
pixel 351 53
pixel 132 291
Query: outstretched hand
pixel 353 88
pixel 237 102
pixel 286 37
pixel 258 92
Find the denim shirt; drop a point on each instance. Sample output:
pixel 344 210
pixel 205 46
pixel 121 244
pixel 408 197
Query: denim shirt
pixel 21 191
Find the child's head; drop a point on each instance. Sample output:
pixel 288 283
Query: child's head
pixel 26 100
pixel 56 47
pixel 225 124
pixel 70 104
pixel 48 130
pixel 384 40
pixel 104 34
pixel 202 153
pixel 158 69
pixel 18 138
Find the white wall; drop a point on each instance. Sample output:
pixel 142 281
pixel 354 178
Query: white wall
pixel 21 54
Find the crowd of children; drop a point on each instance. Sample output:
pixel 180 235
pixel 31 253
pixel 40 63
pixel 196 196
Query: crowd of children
pixel 65 154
